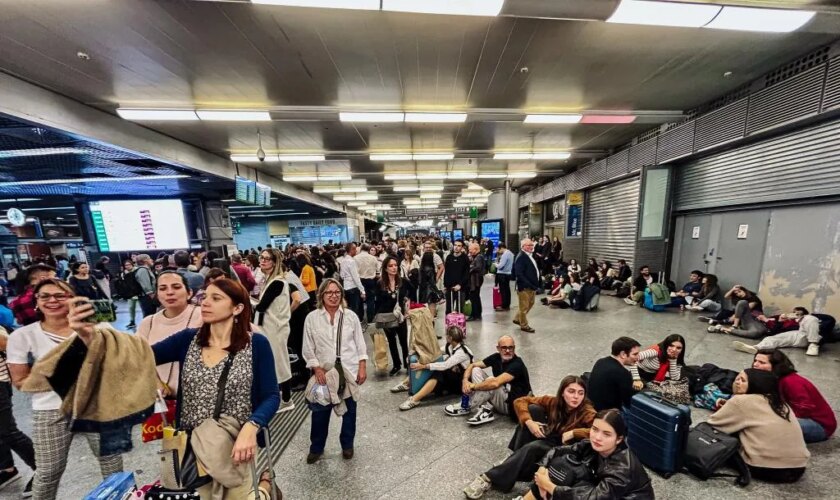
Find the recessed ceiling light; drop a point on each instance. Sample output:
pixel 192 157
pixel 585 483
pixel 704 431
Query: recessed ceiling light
pixel 449 7
pixel 684 15
pixel 15 153
pixel 764 20
pixel 300 157
pixel 561 118
pixel 390 157
pixel 552 155
pixel 230 115
pixel 435 117
pixel 326 4
pixel 371 117
pixel 157 114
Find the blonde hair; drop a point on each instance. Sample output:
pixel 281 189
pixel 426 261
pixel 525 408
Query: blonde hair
pixel 322 290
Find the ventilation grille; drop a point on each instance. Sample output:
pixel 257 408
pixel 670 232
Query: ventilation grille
pixel 650 134
pixel 831 99
pixel 617 164
pixel 642 155
pixel 721 126
pixel 795 98
pixel 594 173
pixel 676 143
pixel 720 102
pixel 797 67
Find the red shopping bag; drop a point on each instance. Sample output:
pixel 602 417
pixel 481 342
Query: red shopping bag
pixel 497 297
pixel 153 426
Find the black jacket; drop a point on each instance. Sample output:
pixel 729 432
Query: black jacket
pixel 527 277
pixel 619 476
pixel 477 270
pixel 639 283
pixel 456 270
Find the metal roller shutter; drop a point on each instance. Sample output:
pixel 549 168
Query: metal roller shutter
pixel 611 218
pixel 803 164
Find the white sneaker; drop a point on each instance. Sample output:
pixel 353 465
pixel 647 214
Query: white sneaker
pixel 401 387
pixel 714 329
pixel 813 350
pixel 456 410
pixel 409 404
pixel 629 301
pixel 286 406
pixel 484 416
pixel 477 488
pixel 740 346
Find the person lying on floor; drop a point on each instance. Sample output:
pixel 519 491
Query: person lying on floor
pixel 745 322
pixel 807 336
pixel 545 422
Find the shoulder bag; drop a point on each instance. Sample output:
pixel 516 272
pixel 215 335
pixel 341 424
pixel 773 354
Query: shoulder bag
pixel 342 382
pixel 179 468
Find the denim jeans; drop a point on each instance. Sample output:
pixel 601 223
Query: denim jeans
pixel 812 431
pixel 321 426
pixel 354 302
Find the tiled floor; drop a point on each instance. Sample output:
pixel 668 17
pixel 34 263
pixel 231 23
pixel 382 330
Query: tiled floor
pixel 423 454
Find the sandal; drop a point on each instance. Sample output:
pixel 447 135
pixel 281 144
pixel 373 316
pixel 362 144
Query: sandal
pixel 266 484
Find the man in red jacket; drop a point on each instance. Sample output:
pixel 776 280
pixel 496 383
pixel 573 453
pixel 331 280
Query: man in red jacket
pixel 246 277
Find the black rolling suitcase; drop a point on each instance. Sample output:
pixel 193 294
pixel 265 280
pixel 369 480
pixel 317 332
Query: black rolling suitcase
pixel 657 431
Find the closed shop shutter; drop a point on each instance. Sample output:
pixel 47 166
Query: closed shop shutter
pixel 800 165
pixel 611 218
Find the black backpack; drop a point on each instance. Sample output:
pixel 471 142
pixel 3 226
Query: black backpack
pixel 707 450
pixel 127 286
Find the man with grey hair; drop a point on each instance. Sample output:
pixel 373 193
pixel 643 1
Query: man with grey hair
pixel 146 279
pixel 476 280
pixel 527 283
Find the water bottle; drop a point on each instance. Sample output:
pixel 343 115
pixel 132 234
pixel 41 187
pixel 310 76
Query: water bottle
pixel 465 402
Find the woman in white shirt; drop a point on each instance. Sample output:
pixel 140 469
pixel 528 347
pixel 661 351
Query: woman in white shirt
pixel 447 375
pixel 410 261
pixel 51 436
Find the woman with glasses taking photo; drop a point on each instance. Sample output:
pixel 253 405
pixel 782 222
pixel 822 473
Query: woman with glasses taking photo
pixel 52 437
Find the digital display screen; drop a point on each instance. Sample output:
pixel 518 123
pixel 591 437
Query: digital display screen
pixel 492 230
pixel 246 190
pixel 129 225
pixel 457 234
pixel 263 195
pixel 447 235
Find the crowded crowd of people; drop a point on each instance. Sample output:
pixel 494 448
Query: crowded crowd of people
pixel 245 331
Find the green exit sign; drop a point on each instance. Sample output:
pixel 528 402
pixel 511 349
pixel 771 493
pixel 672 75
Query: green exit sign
pixel 473 212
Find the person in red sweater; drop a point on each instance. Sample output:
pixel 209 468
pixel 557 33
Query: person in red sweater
pixel 810 407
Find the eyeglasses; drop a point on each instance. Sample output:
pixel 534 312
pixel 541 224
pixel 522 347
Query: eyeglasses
pixel 59 297
pixel 266 259
pixel 333 292
pixel 506 347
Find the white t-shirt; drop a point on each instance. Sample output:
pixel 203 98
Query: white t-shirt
pixel 32 339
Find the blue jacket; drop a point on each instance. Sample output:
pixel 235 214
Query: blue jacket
pixel 265 396
pixel 527 277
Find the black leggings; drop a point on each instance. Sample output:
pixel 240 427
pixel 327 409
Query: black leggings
pixel 769 475
pixel 400 332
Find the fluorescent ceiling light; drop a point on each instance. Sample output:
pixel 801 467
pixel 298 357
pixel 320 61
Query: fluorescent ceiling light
pixel 521 175
pixel 684 15
pixel 462 175
pixel 432 156
pixel 326 4
pixel 300 157
pixel 157 114
pixel 475 194
pixel 513 156
pixel 608 119
pixel 356 197
pixel 15 153
pixel 16 200
pixel 492 175
pixel 766 20
pixel 247 158
pixel 356 203
pixel 430 187
pixel 553 118
pixel 335 177
pixel 435 117
pixel 371 117
pixel 399 177
pixel 449 7
pixel 300 178
pixel 326 189
pixel 354 189
pixel 390 157
pixel 230 115
pixel 430 196
pixel 431 175
pixel 552 155
pixel 406 189
pixel 92 179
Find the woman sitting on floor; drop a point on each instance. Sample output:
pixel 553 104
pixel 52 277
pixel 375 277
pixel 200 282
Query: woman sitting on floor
pixel 560 295
pixel 661 361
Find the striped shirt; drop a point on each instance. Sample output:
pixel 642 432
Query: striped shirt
pixel 649 362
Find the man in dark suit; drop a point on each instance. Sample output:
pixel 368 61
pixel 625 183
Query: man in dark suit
pixel 527 283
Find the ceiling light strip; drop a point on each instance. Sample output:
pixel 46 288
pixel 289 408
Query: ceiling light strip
pixel 92 179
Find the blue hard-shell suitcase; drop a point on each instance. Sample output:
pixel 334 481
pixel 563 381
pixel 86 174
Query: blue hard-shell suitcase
pixel 657 432
pixel 418 378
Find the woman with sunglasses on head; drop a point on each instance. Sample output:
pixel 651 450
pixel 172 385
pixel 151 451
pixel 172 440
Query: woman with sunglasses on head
pixel 273 313
pixel 173 292
pixel 250 396
pixel 51 435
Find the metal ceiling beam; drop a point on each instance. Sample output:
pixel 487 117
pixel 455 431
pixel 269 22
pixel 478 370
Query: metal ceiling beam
pixel 34 104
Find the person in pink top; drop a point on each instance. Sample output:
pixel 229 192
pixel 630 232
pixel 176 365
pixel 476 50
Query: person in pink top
pixel 177 314
pixel 810 407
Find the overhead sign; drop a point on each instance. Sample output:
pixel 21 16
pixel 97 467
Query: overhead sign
pixel 16 217
pixel 574 214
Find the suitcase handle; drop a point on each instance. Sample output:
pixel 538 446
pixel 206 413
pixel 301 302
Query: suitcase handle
pixel 659 399
pixel 272 475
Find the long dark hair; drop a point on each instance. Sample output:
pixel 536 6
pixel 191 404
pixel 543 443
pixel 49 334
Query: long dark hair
pixel 711 282
pixel 782 365
pixel 663 348
pixel 767 384
pixel 384 280
pixel 616 421
pixel 240 334
pixel 562 413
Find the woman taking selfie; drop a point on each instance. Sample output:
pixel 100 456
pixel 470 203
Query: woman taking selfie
pixel 177 314
pixel 51 436
pixel 617 473
pixel 278 300
pixel 546 422
pixel 250 394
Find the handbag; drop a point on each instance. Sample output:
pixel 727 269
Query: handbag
pixel 567 469
pixel 673 391
pixel 709 396
pixel 179 467
pixel 386 320
pixel 707 449
pixel 342 381
pixel 467 309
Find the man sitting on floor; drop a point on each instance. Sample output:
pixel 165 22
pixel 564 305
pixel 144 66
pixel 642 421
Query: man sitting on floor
pixel 610 384
pixel 510 380
pixel 808 336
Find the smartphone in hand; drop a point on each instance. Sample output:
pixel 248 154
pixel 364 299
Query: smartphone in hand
pixel 103 312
